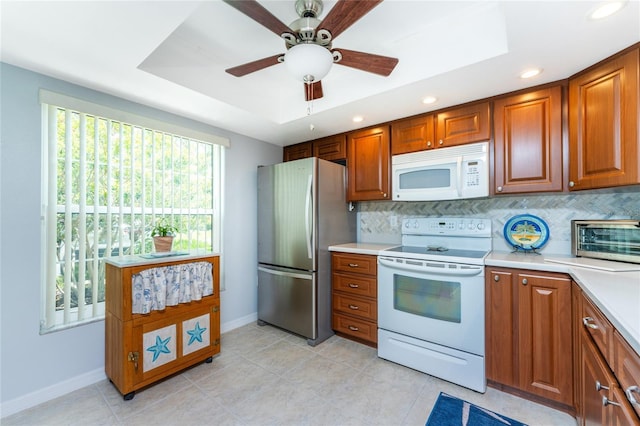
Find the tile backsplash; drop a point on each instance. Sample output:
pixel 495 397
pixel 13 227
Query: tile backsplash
pixel 379 222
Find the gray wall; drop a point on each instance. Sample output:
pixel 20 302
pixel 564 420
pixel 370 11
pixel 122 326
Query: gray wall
pixel 36 367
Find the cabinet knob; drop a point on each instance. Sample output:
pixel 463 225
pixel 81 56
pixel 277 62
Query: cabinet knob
pixel 587 323
pixel 571 184
pixel 428 143
pixel 440 142
pixel 599 386
pixel 384 194
pixel 496 278
pixel 525 281
pixel 629 392
pixel 606 401
pixel 499 189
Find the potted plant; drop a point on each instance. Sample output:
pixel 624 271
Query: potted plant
pixel 163 233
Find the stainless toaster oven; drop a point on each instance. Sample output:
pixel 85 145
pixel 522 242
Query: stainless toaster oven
pixel 606 239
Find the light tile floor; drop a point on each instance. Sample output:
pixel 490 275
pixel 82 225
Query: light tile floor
pixel 265 376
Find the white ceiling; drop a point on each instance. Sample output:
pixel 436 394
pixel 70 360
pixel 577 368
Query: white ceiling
pixel 172 55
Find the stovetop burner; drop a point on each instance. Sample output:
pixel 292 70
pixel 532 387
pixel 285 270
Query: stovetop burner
pixel 456 240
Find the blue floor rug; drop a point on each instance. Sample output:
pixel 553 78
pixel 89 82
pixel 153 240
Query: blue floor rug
pixel 451 411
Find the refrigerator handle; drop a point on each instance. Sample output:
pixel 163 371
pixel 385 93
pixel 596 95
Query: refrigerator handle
pixel 285 274
pixel 307 219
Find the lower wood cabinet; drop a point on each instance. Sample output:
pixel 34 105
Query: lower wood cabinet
pixel 529 334
pixel 607 370
pixel 354 296
pixel 141 349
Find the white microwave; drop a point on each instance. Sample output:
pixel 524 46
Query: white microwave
pixel 451 173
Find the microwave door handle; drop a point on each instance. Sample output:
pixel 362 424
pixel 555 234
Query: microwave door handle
pixel 459 183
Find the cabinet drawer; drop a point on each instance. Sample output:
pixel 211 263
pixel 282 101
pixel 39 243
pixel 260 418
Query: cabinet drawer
pixel 598 327
pixel 627 369
pixel 363 308
pixel 356 263
pixel 361 329
pixel 356 285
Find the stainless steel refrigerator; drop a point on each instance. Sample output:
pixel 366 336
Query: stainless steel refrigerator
pixel 301 211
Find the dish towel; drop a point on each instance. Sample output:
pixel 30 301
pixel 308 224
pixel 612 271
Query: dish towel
pixel 156 288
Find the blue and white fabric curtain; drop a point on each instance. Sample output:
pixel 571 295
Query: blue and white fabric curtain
pixel 156 288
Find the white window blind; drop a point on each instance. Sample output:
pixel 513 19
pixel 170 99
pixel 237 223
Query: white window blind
pixel 106 183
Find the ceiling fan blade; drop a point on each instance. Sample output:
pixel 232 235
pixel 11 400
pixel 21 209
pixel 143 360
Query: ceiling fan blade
pixel 377 64
pixel 313 91
pixel 344 14
pixel 250 67
pixel 258 13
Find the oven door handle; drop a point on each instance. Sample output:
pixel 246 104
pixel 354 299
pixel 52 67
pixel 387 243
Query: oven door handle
pixel 423 266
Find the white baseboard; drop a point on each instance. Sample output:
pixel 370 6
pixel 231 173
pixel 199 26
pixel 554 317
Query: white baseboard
pixel 51 392
pixel 32 399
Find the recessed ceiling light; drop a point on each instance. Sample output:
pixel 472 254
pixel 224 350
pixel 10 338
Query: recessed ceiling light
pixel 358 119
pixel 606 9
pixel 429 100
pixel 530 73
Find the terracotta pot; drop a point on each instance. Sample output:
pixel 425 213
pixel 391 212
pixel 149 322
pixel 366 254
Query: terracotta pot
pixel 163 243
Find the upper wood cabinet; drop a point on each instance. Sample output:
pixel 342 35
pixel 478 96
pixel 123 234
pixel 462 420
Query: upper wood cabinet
pixel 297 151
pixel 331 148
pixel 368 164
pixel 603 124
pixel 455 126
pixel 528 333
pixel 528 142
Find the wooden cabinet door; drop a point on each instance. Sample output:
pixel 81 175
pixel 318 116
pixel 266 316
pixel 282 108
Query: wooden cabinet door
pixel 500 327
pixel 297 151
pixel 544 337
pixel 368 164
pixel 593 370
pixel 415 134
pixel 603 124
pixel 332 148
pixel 528 142
pixel 463 125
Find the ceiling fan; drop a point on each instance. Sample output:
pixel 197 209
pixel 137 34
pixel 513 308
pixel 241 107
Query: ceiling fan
pixel 308 41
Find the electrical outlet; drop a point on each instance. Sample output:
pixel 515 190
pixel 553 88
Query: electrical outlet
pixel 393 220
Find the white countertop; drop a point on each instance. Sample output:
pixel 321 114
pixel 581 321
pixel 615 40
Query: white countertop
pixel 616 294
pixel 362 248
pixel 137 260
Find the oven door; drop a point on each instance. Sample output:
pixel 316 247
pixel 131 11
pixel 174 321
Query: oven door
pixel 438 302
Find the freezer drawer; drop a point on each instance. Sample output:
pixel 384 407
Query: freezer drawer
pixel 287 299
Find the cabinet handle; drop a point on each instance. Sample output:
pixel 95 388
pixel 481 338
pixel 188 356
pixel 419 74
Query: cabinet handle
pixel 499 189
pixel 629 392
pixel 600 387
pixel 352 285
pixel 586 323
pixel 525 281
pixel 353 265
pixel 440 142
pixel 354 307
pixel 353 328
pixel 606 401
pixel 496 278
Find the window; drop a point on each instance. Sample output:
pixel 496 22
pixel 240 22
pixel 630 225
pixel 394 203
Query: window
pixel 106 183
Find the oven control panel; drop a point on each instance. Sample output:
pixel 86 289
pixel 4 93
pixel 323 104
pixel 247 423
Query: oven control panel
pixel 453 226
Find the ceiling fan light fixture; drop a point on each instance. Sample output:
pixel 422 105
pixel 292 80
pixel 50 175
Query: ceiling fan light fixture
pixel 308 62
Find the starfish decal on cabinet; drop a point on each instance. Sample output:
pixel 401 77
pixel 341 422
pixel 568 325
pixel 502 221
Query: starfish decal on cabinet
pixel 160 347
pixel 196 334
